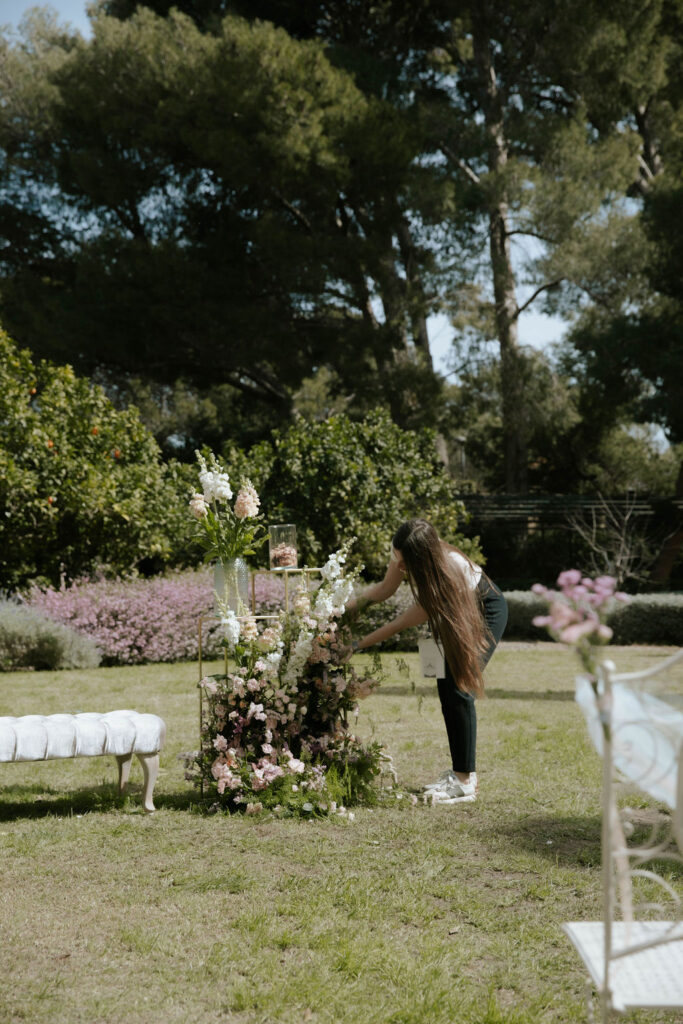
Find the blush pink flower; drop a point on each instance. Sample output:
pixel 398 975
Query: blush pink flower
pixel 198 506
pixel 247 502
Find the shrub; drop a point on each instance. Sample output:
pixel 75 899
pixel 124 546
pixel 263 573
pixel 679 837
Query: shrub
pixel 522 607
pixel 649 619
pixel 29 639
pixel 343 478
pixel 137 621
pixel 82 484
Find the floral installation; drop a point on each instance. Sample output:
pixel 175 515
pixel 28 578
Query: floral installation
pixel 577 615
pixel 226 532
pixel 275 727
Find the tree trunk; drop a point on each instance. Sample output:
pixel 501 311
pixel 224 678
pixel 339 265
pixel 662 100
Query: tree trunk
pixel 506 311
pixel 416 297
pixel 392 291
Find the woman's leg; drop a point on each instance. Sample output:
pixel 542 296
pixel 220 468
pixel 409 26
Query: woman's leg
pixel 460 715
pixel 458 708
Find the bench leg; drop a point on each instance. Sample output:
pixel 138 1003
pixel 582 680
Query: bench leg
pixel 124 762
pixel 150 768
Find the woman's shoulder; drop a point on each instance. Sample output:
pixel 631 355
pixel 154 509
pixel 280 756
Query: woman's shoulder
pixel 471 570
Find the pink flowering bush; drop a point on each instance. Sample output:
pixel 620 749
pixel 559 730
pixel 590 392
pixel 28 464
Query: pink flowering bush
pixel 146 620
pixel 275 728
pixel 578 612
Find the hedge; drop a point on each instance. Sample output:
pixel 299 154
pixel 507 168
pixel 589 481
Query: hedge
pixel 647 619
pixel 31 640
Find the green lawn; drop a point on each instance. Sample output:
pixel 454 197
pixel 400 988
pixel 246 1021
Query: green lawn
pixel 407 915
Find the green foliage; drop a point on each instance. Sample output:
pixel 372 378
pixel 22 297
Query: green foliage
pixel 549 424
pixel 646 619
pixel 631 458
pixel 649 619
pixel 82 485
pixel 523 606
pixel 340 479
pixel 29 640
pixel 235 242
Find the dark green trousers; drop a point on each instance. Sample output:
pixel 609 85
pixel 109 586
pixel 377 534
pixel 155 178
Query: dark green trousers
pixel 459 709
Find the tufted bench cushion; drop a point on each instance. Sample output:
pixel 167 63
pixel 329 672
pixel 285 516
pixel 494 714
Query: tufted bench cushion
pixel 89 734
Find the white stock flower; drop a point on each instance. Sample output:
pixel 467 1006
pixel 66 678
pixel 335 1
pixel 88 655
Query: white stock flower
pixel 333 566
pixel 231 627
pixel 273 661
pixel 299 656
pixel 215 483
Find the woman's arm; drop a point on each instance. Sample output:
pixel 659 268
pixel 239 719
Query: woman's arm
pixel 414 616
pixel 378 591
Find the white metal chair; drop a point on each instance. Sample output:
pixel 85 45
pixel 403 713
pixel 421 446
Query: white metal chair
pixel 634 956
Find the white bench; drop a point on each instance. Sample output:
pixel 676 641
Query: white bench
pixel 121 733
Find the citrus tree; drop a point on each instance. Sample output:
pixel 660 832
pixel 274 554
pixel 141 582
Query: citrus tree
pixel 82 484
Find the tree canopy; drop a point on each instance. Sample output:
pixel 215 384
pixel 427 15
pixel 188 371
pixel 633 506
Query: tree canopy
pixel 211 195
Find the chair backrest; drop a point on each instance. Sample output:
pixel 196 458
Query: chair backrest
pixel 635 720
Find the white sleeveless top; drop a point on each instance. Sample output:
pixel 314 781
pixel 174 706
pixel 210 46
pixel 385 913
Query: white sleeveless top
pixel 472 573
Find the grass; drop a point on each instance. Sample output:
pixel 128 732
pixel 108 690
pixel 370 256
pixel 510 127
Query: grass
pixel 408 915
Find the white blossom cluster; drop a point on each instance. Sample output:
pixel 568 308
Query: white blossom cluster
pixel 215 483
pixel 299 654
pixel 330 602
pixel 230 625
pixel 333 567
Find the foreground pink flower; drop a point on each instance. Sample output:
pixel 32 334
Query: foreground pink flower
pixel 577 612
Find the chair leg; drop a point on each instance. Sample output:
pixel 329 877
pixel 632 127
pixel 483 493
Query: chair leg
pixel 124 762
pixel 150 769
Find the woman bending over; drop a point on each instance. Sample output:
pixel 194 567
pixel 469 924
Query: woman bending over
pixel 467 615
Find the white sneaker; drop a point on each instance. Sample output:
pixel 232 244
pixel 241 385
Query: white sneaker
pixel 448 778
pixel 441 781
pixel 453 791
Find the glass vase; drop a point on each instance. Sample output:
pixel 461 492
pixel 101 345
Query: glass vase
pixel 231 584
pixel 282 549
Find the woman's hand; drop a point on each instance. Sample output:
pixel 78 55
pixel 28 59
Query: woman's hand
pixel 349 652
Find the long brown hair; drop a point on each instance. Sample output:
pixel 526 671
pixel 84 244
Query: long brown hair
pixel 454 610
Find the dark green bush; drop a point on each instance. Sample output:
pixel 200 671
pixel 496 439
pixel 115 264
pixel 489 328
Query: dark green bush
pixel 649 619
pixel 523 606
pixel 29 640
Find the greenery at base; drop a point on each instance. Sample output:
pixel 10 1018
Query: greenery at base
pixel 29 640
pixel 406 915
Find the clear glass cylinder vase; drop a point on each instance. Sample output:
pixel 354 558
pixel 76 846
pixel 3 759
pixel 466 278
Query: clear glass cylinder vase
pixel 231 584
pixel 283 551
